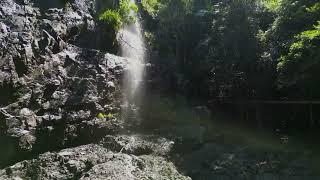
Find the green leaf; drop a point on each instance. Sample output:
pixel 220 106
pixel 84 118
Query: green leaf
pixel 109 116
pixel 101 116
pixel 314 8
pixel 311 34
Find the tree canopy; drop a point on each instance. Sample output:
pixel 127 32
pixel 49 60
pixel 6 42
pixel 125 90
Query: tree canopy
pixel 238 48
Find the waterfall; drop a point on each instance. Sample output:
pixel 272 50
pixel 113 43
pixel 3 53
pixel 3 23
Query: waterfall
pixel 132 46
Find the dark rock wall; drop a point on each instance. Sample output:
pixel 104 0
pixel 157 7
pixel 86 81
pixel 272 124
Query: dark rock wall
pixel 54 78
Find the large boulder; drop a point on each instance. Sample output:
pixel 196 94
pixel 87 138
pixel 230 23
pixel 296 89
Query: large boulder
pixel 93 162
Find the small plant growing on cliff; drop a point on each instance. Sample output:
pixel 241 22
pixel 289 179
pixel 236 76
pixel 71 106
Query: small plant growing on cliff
pixel 101 116
pixel 112 19
pixel 108 116
pixel 127 10
pixel 151 6
pixel 124 14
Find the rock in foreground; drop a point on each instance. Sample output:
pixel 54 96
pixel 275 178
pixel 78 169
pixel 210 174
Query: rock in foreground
pixel 92 162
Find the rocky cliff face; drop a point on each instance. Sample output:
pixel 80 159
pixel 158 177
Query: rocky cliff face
pixel 55 78
pixel 52 86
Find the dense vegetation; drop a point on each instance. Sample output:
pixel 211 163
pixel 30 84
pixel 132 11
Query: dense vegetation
pixel 241 49
pixel 115 16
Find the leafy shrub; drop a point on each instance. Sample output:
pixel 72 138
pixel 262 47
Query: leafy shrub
pixel 151 6
pixel 107 116
pixel 124 14
pixel 127 11
pixel 112 19
pixel 272 5
pixel 101 116
pixel 315 8
pixel 300 64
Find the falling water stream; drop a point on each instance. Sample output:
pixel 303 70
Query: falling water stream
pixel 132 46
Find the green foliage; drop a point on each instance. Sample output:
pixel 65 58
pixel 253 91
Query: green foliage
pixel 102 5
pixel 174 18
pixel 112 19
pixel 272 5
pixel 175 11
pixel 207 40
pixel 315 8
pixel 311 34
pixel 243 48
pixel 124 14
pixel 293 18
pixel 151 6
pixel 127 10
pixel 109 116
pixel 296 38
pixel 299 65
pixel 102 116
pixel 150 39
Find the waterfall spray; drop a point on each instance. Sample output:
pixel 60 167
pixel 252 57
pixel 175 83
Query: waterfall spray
pixel 132 46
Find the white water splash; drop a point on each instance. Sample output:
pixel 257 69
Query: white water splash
pixel 132 46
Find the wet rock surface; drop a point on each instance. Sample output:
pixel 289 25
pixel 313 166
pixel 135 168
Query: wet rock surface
pixel 138 144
